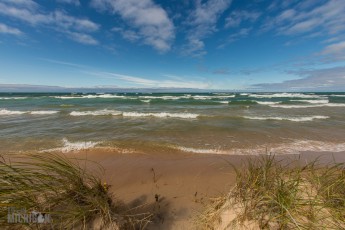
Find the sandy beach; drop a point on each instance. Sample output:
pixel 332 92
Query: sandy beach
pixel 176 185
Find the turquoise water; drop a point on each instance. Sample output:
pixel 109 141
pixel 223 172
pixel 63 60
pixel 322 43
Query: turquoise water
pixel 230 123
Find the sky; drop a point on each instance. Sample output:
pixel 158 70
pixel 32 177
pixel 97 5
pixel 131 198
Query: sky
pixel 265 45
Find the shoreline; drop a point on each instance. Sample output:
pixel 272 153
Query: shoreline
pixel 177 184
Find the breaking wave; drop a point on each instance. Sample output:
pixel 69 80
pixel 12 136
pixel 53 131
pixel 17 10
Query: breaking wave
pixel 134 114
pixel 6 112
pixel 296 119
pixel 73 146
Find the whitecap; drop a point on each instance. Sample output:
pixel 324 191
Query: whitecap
pixel 296 119
pixel 73 146
pixel 161 115
pixel 293 147
pixel 223 102
pixel 268 102
pixel 308 106
pixel 16 112
pixel 47 112
pixel 203 151
pixel 91 96
pixel 9 112
pixel 103 112
pixel 13 98
pixel 325 101
pixel 205 97
pixel 275 95
pixel 134 114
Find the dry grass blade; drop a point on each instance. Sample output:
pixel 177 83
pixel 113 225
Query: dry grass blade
pixel 270 194
pixel 54 184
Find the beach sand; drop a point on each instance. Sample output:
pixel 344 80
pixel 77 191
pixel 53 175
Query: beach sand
pixel 175 185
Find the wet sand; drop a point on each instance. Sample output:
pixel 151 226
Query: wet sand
pixel 175 185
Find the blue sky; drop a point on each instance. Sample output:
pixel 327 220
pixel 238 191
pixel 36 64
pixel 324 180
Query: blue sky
pixel 269 45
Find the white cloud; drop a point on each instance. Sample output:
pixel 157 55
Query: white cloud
pixel 237 17
pixel 146 19
pixel 82 38
pixel 25 14
pixel 335 48
pixel 202 22
pixel 75 28
pixel 69 22
pixel 241 33
pixel 127 34
pixel 318 79
pixel 9 30
pixel 140 81
pixel 298 18
pixel 73 2
pixel 335 51
pixel 22 3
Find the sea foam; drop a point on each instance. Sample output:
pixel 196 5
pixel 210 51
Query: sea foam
pixel 134 114
pixel 282 95
pixel 325 101
pixel 10 112
pixel 15 112
pixel 203 151
pixel 267 102
pixel 90 96
pixel 161 115
pixel 13 98
pixel 296 119
pixel 73 146
pixel 308 106
pixel 47 112
pixel 292 147
pixel 103 112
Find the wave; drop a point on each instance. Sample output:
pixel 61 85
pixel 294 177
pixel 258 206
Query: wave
pixel 308 106
pixel 293 147
pixel 337 95
pixel 106 112
pixel 48 112
pixel 161 115
pixel 188 96
pixel 242 102
pixel 204 97
pixel 145 97
pixel 13 98
pixel 9 112
pixel 223 102
pixel 166 97
pixel 90 96
pixel 307 145
pixel 313 101
pixel 146 101
pixel 103 112
pixel 296 119
pixel 278 95
pixel 268 102
pixel 204 151
pixel 73 146
pixel 14 112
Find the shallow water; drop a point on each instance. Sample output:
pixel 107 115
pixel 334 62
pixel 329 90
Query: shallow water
pixel 241 123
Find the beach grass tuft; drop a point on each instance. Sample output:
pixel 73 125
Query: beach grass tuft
pixel 272 194
pixel 62 187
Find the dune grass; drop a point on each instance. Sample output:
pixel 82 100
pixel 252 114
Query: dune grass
pixel 75 198
pixel 271 194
